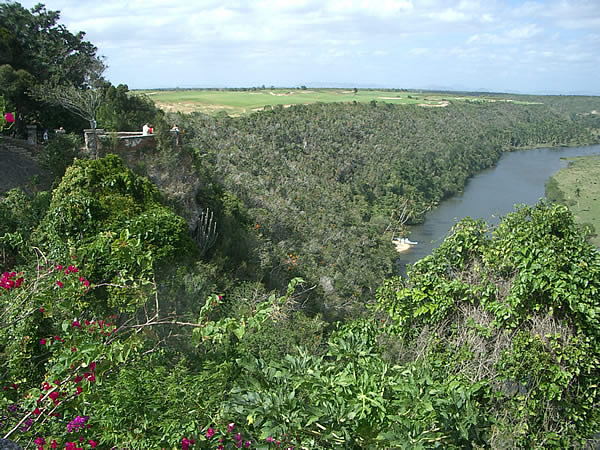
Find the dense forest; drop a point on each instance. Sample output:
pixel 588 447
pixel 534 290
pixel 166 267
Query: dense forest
pixel 240 290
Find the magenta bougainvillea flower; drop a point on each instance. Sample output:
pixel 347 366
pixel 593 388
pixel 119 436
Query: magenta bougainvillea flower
pixel 185 443
pixel 210 433
pixel 77 423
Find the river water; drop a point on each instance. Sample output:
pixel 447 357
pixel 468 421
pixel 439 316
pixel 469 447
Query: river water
pixel 518 177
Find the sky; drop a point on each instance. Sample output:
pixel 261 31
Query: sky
pixel 538 47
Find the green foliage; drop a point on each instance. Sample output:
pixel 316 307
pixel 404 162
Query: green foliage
pixel 517 311
pixel 325 181
pixel 36 48
pixel 60 154
pixel 149 404
pixel 353 398
pixel 19 215
pixel 114 219
pixel 121 111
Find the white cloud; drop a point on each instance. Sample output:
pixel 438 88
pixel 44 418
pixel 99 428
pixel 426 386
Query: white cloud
pixel 449 15
pixel 418 51
pixel 220 39
pixel 524 32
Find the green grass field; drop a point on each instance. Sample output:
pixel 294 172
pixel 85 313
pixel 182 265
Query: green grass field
pixel 579 184
pixel 237 102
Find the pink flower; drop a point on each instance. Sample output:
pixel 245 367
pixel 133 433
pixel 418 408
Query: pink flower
pixel 238 437
pixel 185 443
pixel 77 423
pixel 76 324
pixel 37 411
pixel 42 341
pixel 210 433
pixel 79 390
pixel 53 444
pixel 270 439
pixel 42 310
pixel 58 282
pixel 93 444
pixel 248 444
pixel 230 427
pixel 92 366
pixel 39 441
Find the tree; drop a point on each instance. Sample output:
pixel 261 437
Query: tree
pixel 82 101
pixel 37 43
pixel 35 48
pixel 121 111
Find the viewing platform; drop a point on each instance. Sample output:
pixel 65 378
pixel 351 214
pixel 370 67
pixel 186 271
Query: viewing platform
pixel 117 141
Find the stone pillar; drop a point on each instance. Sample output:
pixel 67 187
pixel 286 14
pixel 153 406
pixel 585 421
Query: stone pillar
pixel 31 134
pixel 90 138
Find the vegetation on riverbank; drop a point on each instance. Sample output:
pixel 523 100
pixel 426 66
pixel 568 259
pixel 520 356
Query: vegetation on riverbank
pixel 577 187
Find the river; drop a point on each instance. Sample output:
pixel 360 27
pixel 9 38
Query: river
pixel 518 177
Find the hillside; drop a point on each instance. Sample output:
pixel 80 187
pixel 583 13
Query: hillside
pixel 20 166
pixel 278 321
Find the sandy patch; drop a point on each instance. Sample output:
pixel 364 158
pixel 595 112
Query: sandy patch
pixel 441 104
pixel 190 107
pixel 401 246
pixel 285 94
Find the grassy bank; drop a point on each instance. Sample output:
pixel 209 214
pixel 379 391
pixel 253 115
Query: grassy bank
pixel 578 187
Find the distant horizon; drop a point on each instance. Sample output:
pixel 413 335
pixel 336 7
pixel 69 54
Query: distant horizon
pixel 440 89
pixel 535 47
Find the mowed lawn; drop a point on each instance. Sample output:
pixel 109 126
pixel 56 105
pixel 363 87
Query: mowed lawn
pixel 580 185
pixel 235 102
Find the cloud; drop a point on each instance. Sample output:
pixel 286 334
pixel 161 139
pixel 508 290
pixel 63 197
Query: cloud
pixel 229 41
pixel 418 51
pixel 524 32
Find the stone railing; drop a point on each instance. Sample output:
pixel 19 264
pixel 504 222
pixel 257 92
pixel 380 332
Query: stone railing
pixel 116 142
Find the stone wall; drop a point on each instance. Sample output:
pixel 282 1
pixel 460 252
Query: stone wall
pixel 121 142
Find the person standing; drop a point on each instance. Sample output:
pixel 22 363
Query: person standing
pixel 175 130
